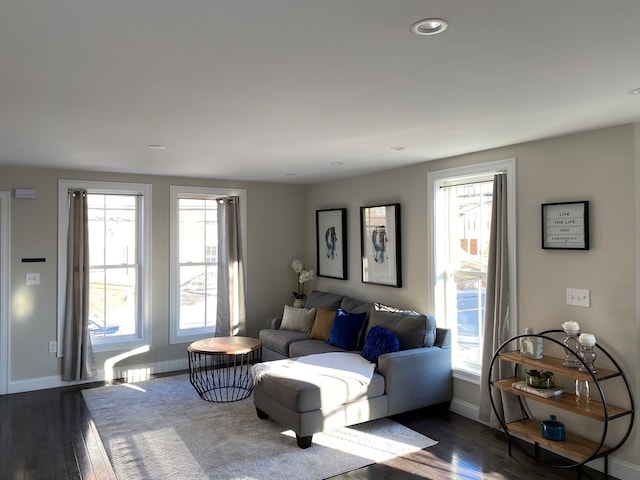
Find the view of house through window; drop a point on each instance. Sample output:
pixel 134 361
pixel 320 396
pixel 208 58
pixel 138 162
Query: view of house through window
pixel 463 222
pixel 197 263
pixel 459 218
pixel 470 215
pixel 114 252
pixel 194 254
pixel 119 224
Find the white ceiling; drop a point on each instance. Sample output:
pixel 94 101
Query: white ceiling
pixel 263 89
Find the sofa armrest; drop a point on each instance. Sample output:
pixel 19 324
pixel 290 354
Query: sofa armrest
pixel 443 338
pixel 416 378
pixel 274 323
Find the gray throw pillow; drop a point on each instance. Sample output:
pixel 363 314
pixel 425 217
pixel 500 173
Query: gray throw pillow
pixel 413 329
pixel 298 319
pixel 353 305
pixel 323 299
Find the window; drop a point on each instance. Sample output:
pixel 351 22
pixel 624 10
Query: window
pixel 461 221
pixel 119 222
pixel 194 260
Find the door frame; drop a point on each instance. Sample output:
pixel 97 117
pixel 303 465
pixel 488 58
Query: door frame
pixel 5 297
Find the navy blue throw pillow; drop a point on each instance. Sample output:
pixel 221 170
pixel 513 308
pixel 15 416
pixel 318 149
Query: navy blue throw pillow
pixel 345 329
pixel 379 340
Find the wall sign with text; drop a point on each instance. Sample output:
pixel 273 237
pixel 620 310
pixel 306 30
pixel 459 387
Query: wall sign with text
pixel 565 225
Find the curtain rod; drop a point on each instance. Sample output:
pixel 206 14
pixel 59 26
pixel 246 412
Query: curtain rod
pixel 466 183
pixel 124 194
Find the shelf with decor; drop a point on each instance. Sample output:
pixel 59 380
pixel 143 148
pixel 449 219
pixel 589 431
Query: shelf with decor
pixel 577 449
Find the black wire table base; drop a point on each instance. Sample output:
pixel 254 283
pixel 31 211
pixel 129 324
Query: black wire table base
pixel 222 377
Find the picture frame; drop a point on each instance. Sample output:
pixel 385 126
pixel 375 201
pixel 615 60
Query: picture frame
pixel 380 245
pixel 565 225
pixel 331 243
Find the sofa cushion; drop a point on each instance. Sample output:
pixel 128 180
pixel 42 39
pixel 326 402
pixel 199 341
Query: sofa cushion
pixel 430 334
pixel 279 340
pixel 310 347
pixel 300 392
pixel 323 323
pixel 379 341
pixel 413 329
pixel 298 319
pixel 353 305
pixel 324 299
pixel 346 329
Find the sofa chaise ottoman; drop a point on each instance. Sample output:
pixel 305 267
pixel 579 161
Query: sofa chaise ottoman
pixel 291 390
pixel 308 397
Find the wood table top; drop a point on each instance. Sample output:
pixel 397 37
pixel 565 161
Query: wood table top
pixel 226 345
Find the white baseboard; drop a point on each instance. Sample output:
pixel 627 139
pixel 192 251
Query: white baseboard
pixel 623 470
pixel 617 468
pixel 466 409
pixel 131 373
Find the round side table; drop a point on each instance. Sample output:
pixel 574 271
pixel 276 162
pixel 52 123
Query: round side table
pixel 220 367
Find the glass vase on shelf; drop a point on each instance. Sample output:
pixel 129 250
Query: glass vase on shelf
pixel 553 429
pixel 531 346
pixel 583 392
pixel 572 346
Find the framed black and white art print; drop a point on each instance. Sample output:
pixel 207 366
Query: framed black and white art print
pixel 380 245
pixel 331 243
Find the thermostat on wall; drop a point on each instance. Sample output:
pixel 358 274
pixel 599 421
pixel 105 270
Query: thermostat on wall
pixel 29 193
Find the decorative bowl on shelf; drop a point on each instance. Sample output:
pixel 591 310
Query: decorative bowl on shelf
pixel 539 378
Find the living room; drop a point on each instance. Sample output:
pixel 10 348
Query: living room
pixel 598 165
pixel 609 186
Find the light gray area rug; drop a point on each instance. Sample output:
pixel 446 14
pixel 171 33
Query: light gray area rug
pixel 161 429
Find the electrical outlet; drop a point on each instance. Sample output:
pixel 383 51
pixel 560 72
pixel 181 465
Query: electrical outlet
pixel 33 279
pixel 53 346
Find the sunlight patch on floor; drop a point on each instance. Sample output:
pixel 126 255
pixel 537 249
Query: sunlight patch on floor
pixel 375 447
pixel 110 366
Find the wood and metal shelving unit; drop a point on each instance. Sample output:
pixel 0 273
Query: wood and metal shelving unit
pixel 577 449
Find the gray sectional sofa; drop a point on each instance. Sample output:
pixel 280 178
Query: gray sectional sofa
pixel 417 375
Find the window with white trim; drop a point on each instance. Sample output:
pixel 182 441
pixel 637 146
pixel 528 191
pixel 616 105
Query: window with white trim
pixel 460 219
pixel 119 221
pixel 194 260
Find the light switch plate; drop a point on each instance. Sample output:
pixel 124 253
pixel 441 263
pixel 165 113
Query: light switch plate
pixel 33 279
pixel 578 297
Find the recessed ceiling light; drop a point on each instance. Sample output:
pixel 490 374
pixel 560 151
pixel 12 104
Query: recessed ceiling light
pixel 635 91
pixel 429 26
pixel 397 148
pixel 337 163
pixel 289 174
pixel 157 147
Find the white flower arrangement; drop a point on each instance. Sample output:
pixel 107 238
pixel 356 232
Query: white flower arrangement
pixel 303 276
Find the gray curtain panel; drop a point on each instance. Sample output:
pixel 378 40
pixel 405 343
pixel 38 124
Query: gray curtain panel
pixel 77 361
pixel 231 317
pixel 497 323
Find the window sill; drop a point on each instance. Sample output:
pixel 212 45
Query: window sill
pixel 115 346
pixel 467 376
pixel 190 337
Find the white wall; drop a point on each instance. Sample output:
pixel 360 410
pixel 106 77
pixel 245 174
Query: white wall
pixel 598 166
pixel 272 244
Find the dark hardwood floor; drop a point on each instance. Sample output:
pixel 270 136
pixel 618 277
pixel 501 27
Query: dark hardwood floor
pixel 49 434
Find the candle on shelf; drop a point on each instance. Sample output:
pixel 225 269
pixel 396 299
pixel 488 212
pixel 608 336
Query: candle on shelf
pixel 587 353
pixel 571 327
pixel 571 330
pixel 587 339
